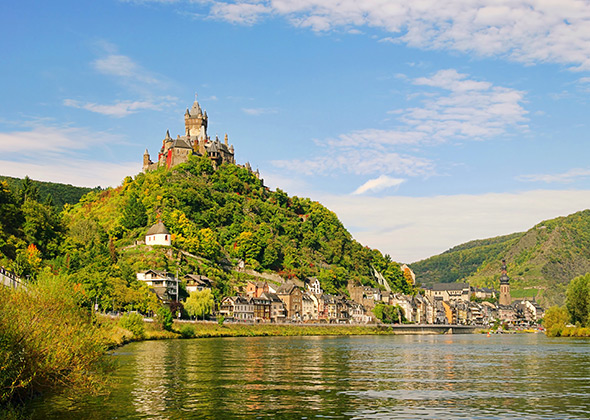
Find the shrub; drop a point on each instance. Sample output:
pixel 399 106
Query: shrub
pixel 187 331
pixel 164 318
pixel 133 322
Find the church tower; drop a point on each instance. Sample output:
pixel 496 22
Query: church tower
pixel 505 299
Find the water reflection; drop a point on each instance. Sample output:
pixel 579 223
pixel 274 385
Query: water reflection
pixel 415 377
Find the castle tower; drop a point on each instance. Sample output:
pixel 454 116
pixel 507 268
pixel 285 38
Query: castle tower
pixel 195 122
pixel 505 299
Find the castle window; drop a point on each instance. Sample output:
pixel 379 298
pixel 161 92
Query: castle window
pixel 165 237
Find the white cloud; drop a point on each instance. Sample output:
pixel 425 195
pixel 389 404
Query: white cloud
pixel 565 177
pixel 245 13
pixel 42 140
pixel 413 228
pixel 124 67
pixel 63 154
pixel 259 111
pixel 528 31
pixel 378 184
pixel 118 109
pixel 455 108
pixel 360 162
pixel 78 172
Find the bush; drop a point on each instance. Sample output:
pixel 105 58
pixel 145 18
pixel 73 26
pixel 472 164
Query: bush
pixel 133 322
pixel 187 331
pixel 164 318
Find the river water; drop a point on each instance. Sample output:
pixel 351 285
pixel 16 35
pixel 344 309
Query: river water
pixel 362 377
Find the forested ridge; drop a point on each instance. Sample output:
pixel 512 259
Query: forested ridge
pixel 50 192
pixel 541 261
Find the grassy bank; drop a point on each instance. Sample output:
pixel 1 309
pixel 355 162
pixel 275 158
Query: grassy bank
pixel 49 341
pixel 201 330
pixel 151 331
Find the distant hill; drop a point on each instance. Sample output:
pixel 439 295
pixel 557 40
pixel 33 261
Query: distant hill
pixel 60 193
pixel 541 261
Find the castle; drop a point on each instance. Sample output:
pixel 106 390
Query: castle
pixel 195 141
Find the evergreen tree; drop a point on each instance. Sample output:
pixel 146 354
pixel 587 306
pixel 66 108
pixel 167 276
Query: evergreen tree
pixel 134 213
pixel 28 190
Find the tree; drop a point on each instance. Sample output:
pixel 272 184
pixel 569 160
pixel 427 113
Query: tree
pixel 199 303
pixel 555 320
pixel 578 300
pixel 134 213
pixel 28 190
pixel 164 318
pixel 389 314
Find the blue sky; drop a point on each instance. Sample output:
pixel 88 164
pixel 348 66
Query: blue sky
pixel 421 126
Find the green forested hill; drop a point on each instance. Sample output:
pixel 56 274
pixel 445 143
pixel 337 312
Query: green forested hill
pixel 60 193
pixel 541 261
pixel 461 261
pixel 216 218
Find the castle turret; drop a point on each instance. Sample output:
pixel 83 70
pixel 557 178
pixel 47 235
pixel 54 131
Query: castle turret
pixel 146 160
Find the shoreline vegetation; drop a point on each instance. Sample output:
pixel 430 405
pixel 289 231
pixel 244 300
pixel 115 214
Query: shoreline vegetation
pixel 200 329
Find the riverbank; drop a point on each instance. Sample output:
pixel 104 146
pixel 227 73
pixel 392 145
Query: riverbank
pixel 187 329
pixel 569 332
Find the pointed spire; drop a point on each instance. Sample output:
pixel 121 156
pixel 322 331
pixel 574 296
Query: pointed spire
pixel 225 140
pixel 168 134
pixel 146 152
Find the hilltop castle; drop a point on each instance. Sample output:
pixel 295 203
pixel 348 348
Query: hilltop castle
pixel 195 141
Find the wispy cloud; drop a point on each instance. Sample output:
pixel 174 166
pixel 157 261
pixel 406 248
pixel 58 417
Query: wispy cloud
pixel 527 31
pixel 118 109
pixel 454 108
pixel 563 178
pixel 124 67
pixel 360 162
pixel 62 154
pixel 39 140
pixel 79 172
pixel 378 184
pixel 244 13
pixel 259 111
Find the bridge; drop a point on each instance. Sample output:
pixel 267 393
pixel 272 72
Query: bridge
pixel 9 279
pixel 435 329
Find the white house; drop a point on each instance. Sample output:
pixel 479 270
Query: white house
pixel 158 235
pixel 314 286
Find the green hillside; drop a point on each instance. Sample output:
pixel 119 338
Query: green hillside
pixel 216 218
pixel 541 261
pixel 60 193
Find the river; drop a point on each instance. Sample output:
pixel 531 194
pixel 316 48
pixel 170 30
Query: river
pixel 361 377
